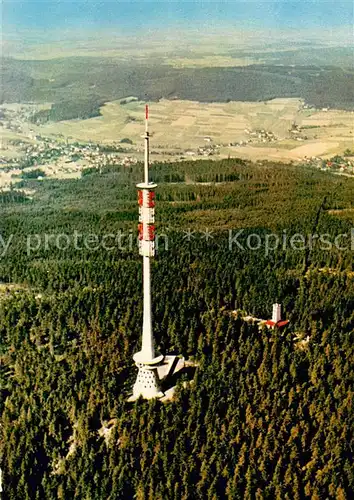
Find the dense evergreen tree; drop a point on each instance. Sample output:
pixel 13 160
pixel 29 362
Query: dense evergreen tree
pixel 268 415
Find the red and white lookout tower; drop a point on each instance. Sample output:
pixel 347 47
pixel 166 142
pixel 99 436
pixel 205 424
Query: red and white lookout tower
pixel 276 321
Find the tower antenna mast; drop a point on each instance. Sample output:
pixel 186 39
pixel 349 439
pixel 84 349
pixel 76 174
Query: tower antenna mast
pixel 146 151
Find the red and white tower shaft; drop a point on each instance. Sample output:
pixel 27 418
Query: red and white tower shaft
pixel 146 200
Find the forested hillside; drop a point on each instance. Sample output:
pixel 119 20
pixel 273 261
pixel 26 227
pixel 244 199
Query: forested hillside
pixel 269 414
pixel 78 86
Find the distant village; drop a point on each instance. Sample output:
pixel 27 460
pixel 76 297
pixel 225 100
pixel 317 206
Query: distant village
pixel 47 150
pixel 339 164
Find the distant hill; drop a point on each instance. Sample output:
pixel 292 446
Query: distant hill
pixel 79 86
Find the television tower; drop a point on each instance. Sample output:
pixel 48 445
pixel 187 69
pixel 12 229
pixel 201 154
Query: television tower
pixel 147 360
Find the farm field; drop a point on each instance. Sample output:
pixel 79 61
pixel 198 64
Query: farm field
pixel 182 126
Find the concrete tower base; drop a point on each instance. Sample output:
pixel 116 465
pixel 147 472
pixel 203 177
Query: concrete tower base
pixel 146 384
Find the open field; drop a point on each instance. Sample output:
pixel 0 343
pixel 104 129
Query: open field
pixel 7 178
pixel 213 61
pixel 181 123
pixel 186 125
pixel 281 130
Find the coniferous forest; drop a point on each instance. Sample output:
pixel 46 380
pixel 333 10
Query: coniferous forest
pixel 268 414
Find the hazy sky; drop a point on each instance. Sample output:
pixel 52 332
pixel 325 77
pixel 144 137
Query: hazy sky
pixel 135 15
